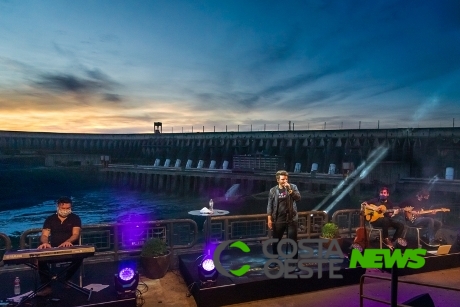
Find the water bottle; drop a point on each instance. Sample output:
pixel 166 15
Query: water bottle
pixel 211 205
pixel 17 286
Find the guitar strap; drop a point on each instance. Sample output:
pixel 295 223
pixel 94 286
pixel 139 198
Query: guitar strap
pixel 366 238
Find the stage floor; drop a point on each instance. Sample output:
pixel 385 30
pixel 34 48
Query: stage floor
pixel 257 285
pixel 94 273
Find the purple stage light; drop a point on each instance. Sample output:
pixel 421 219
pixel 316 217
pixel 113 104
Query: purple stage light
pixel 133 231
pixel 209 249
pixel 208 265
pixel 207 271
pixel 126 282
pixel 126 274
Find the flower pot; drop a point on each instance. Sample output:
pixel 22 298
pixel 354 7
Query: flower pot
pixel 326 244
pixel 156 267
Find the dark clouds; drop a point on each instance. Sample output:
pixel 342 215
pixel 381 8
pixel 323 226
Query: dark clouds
pixel 94 83
pixel 112 97
pixel 67 83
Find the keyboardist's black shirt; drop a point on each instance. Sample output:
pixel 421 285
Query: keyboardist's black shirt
pixel 61 231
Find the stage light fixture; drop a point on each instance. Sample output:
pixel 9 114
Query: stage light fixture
pixel 126 281
pixel 207 271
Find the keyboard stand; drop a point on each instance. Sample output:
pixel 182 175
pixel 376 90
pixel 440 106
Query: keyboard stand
pixel 54 277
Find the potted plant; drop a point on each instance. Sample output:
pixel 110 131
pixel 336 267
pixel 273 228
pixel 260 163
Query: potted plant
pixel 155 258
pixel 330 231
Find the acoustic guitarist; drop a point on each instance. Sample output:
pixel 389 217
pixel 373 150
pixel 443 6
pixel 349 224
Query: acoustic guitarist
pixel 383 204
pixel 416 218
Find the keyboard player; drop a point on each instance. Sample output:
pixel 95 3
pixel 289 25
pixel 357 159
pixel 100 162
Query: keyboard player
pixel 61 229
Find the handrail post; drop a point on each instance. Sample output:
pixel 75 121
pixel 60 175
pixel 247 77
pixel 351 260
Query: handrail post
pixel 226 229
pixel 7 241
pixel 394 286
pixel 115 241
pixel 349 224
pixel 171 240
pixel 361 290
pixel 170 234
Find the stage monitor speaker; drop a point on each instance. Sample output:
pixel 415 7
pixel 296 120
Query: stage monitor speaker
pixel 422 300
pixel 447 235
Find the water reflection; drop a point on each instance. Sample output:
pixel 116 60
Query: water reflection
pixel 103 206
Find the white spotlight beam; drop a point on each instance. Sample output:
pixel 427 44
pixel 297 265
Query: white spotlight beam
pixel 350 177
pixel 382 153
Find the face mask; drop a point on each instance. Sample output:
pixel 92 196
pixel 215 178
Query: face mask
pixel 383 197
pixel 64 212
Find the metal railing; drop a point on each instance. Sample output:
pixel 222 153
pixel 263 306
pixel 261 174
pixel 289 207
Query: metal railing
pixel 362 296
pixel 347 220
pixel 254 227
pixel 118 239
pixel 5 244
pixel 127 238
pixel 5 241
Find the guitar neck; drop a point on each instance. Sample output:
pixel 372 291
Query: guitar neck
pixel 385 210
pixel 431 211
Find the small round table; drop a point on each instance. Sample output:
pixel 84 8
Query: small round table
pixel 207 230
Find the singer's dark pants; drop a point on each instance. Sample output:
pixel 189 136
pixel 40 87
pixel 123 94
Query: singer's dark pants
pixel 386 222
pixel 44 270
pixel 278 232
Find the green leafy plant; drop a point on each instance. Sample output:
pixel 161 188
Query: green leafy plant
pixel 154 247
pixel 330 231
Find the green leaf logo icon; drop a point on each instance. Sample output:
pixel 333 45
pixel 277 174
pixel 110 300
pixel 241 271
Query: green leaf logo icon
pixel 243 270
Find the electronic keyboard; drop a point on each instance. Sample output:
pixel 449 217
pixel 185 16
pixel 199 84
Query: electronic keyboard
pixel 48 254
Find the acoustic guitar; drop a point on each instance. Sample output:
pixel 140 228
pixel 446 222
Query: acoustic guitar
pixel 413 215
pixel 361 240
pixel 373 212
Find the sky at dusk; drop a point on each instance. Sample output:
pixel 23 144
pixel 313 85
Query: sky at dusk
pixel 110 66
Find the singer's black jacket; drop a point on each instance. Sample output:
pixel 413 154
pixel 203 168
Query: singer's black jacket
pixel 292 206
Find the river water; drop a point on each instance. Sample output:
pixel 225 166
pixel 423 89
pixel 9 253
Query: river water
pixel 28 194
pixel 106 205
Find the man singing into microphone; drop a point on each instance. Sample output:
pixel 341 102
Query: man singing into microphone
pixel 282 210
